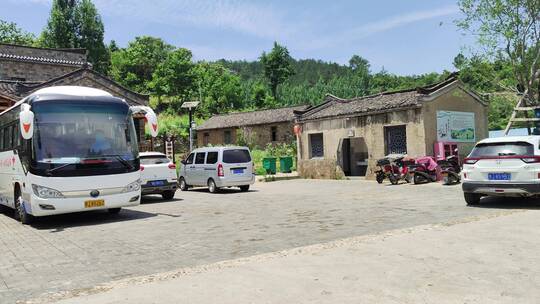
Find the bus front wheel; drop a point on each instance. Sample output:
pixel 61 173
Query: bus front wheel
pixel 20 212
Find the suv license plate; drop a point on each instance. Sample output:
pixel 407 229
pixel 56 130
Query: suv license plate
pixel 499 176
pixel 94 203
pixel 157 183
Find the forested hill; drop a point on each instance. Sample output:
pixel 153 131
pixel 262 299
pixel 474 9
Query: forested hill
pixel 312 79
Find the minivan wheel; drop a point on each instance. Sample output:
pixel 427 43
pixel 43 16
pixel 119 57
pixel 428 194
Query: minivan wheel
pixel 212 186
pixel 472 198
pixel 244 188
pixel 183 185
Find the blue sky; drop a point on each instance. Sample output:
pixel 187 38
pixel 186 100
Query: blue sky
pixel 404 37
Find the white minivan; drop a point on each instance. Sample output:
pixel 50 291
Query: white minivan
pixel 505 166
pixel 217 167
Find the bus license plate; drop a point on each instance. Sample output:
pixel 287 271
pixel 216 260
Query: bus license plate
pixel 499 176
pixel 94 203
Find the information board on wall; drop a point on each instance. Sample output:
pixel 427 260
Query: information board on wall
pixel 455 126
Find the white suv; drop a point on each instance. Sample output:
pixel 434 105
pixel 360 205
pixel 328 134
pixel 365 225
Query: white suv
pixel 217 167
pixel 505 166
pixel 158 174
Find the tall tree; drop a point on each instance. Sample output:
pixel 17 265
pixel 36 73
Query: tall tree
pixel 174 77
pixel 277 66
pixel 218 88
pixel 134 66
pixel 11 33
pixel 361 74
pixel 510 28
pixel 77 24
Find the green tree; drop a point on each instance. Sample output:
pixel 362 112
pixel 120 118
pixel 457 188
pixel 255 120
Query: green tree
pixel 134 66
pixel 509 28
pixel 174 77
pixel 11 33
pixel 218 89
pixel 277 67
pixel 77 24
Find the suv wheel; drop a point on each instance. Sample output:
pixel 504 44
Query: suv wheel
pixel 212 186
pixel 472 198
pixel 168 195
pixel 183 185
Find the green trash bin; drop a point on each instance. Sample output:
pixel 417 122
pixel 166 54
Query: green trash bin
pixel 269 164
pixel 285 164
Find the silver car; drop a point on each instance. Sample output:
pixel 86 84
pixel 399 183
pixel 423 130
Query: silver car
pixel 217 167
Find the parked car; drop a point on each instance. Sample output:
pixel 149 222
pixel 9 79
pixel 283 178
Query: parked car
pixel 217 167
pixel 505 166
pixel 158 174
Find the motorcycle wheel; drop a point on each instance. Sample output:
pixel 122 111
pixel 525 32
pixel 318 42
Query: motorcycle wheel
pixel 379 178
pixel 393 179
pixel 418 179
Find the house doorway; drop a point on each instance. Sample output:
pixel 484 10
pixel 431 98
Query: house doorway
pixel 353 154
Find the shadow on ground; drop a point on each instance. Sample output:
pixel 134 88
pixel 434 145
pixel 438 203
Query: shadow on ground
pixel 221 190
pixel 58 223
pixel 156 199
pixel 494 202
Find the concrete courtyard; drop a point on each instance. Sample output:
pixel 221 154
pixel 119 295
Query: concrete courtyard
pixel 68 254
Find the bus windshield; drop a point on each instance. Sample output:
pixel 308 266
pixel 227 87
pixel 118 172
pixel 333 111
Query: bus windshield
pixel 84 133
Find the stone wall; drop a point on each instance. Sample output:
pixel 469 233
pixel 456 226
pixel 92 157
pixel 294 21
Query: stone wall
pixel 259 135
pixel 370 128
pixel 460 101
pixel 31 71
pixel 319 169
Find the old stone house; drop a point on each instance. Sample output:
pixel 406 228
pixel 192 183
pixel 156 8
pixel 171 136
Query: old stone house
pixel 24 70
pixel 347 136
pixel 257 127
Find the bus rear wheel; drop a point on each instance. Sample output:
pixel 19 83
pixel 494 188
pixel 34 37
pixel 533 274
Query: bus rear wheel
pixel 20 212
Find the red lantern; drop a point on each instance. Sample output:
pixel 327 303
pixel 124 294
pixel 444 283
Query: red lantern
pixel 297 129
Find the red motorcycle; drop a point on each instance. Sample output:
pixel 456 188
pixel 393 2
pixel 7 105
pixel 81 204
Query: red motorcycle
pixel 395 168
pixel 425 170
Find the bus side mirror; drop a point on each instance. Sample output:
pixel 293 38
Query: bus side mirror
pixel 26 121
pixel 149 117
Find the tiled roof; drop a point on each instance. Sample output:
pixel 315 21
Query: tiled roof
pixel 250 118
pixel 334 106
pixel 41 59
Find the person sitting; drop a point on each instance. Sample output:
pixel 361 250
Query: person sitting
pixel 101 143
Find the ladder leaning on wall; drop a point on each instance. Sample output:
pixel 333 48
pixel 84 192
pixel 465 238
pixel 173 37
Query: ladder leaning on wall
pixel 521 107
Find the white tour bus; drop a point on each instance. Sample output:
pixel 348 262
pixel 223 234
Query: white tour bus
pixel 68 149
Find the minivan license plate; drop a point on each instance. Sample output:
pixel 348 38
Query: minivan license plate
pixel 499 176
pixel 238 171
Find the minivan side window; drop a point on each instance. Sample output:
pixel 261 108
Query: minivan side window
pixel 199 158
pixel 189 160
pixel 211 158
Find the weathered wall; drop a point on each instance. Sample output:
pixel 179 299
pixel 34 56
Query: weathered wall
pixel 260 135
pixel 459 100
pixel 370 127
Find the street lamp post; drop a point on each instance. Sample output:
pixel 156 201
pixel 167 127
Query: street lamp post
pixel 190 105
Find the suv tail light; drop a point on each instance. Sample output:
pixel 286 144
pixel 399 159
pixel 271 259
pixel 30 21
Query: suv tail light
pixel 470 161
pixel 142 168
pixel 220 171
pixel 172 166
pixel 530 160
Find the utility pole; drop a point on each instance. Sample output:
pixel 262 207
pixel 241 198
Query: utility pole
pixel 190 105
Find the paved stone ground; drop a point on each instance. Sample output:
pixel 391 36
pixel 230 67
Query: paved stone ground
pixel 79 251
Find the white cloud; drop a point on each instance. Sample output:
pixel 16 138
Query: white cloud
pixel 260 20
pixel 387 24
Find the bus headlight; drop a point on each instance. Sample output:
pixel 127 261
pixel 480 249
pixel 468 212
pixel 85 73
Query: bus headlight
pixel 44 192
pixel 135 186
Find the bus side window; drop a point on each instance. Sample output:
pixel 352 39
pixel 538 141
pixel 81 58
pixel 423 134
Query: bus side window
pixel 7 138
pixel 2 139
pixel 16 135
